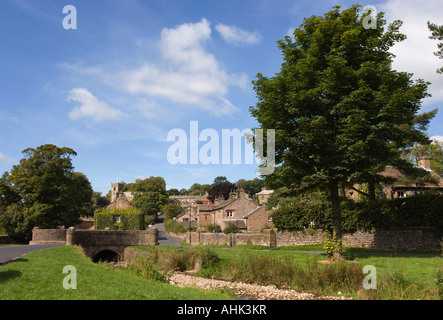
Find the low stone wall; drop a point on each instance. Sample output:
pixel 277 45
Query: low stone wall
pixel 383 239
pixel 115 237
pixel 299 238
pixel 419 238
pixel 267 238
pixel 42 236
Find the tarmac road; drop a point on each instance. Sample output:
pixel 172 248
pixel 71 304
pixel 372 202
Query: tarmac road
pixel 12 252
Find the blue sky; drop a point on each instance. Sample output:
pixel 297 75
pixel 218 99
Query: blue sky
pixel 133 70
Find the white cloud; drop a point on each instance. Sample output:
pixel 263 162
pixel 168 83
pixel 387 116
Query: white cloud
pixel 437 138
pixel 90 106
pixel 188 74
pixel 146 108
pixel 6 159
pixel 235 35
pixel 415 54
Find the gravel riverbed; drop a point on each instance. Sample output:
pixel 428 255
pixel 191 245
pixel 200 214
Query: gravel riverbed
pixel 245 290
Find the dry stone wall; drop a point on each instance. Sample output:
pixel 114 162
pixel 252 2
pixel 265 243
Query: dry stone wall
pixel 383 239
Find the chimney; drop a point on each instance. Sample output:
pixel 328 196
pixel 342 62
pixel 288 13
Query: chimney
pixel 424 161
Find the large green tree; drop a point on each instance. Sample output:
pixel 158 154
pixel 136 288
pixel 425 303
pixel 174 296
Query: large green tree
pixel 338 108
pixel 150 194
pixel 44 191
pixel 437 34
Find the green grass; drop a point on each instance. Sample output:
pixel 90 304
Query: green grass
pixel 39 275
pixel 398 277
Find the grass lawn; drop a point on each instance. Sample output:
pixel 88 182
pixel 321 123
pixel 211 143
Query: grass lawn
pixel 39 275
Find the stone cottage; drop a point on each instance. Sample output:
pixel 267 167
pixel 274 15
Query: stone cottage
pixel 238 210
pixel 398 190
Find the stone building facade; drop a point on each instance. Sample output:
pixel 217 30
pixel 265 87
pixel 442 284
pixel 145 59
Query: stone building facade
pixel 238 210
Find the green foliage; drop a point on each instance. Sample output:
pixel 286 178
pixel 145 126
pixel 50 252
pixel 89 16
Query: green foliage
pixel 231 228
pixel 437 34
pixel 433 150
pixel 150 194
pixel 212 227
pixel 174 226
pixel 43 191
pixel 332 245
pixel 171 210
pixel 423 209
pixel 439 282
pixel 150 202
pixel 338 108
pixel 251 187
pixel 209 258
pixel 130 219
pixel 146 266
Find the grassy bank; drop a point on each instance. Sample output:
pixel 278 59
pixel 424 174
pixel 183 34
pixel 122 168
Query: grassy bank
pixel 398 278
pixel 39 275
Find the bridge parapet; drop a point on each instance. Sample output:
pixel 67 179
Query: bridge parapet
pixel 94 242
pixel 87 238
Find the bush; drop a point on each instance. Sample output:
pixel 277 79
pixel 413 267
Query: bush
pixel 209 258
pixel 174 226
pixel 212 227
pixel 231 228
pixel 180 260
pixel 145 266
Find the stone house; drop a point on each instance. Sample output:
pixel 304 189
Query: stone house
pixel 399 190
pixel 188 218
pixel 263 195
pixel 238 210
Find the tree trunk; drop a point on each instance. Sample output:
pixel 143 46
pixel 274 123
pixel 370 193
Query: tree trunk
pixel 371 190
pixel 336 219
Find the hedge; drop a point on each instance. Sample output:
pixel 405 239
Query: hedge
pixel 130 219
pixel 424 210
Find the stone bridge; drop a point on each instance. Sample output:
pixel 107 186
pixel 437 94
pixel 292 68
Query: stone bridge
pixel 108 245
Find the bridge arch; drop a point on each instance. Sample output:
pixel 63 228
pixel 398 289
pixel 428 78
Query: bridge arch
pixel 106 255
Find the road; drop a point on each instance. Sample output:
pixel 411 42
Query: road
pixel 9 253
pixel 163 238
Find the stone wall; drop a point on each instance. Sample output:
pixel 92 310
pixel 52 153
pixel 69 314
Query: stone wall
pixel 115 237
pixel 383 239
pixel 396 239
pixel 231 239
pixel 41 236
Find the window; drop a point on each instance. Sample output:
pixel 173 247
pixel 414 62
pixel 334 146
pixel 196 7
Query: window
pixel 401 194
pixel 185 219
pixel 229 213
pixel 117 219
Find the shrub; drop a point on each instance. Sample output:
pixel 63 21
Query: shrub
pixel 145 266
pixel 209 258
pixel 174 226
pixel 212 227
pixel 231 228
pixel 180 260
